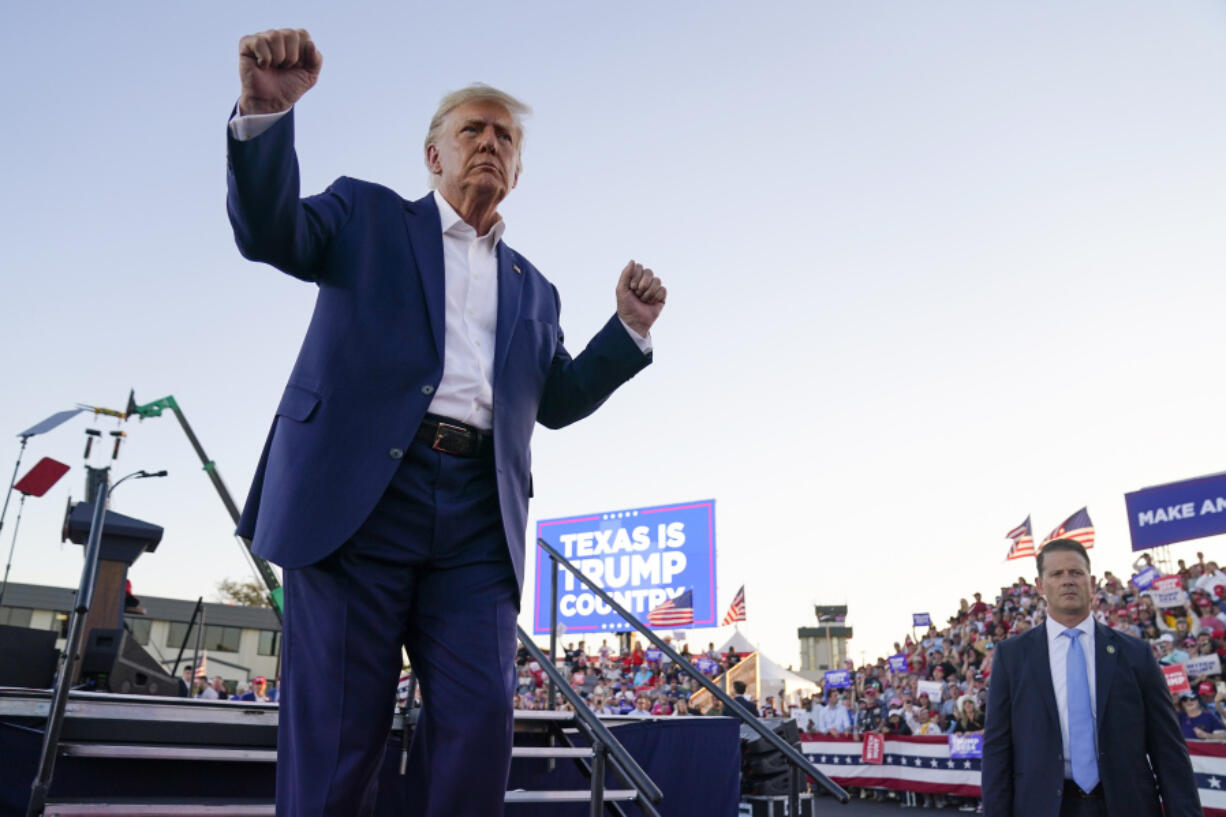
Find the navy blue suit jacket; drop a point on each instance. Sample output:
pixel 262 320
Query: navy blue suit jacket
pixel 1141 752
pixel 373 354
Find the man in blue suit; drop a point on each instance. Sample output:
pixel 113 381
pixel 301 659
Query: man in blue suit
pixel 394 485
pixel 1079 718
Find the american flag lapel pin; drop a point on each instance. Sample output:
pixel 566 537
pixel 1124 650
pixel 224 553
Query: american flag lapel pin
pixel 1111 649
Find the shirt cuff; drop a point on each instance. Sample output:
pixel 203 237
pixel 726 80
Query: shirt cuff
pixel 246 127
pixel 641 341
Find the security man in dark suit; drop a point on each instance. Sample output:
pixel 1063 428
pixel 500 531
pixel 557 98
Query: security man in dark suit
pixel 743 700
pixel 1079 718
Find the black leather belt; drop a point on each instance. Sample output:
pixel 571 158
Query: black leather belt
pixel 1071 789
pixel 455 438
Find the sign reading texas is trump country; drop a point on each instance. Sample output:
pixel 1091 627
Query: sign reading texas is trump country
pixel 641 557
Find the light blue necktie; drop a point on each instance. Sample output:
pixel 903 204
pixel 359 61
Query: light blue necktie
pixel 1080 716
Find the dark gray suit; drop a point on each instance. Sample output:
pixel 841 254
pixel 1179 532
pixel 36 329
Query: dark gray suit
pixel 1141 752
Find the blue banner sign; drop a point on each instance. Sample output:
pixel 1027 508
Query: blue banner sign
pixel 966 746
pixel 641 557
pixel 707 666
pixel 1144 579
pixel 1177 511
pixel 898 663
pixel 837 679
pixel 921 620
pixel 652 655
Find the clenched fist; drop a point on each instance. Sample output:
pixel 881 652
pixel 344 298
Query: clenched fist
pixel 640 297
pixel 276 68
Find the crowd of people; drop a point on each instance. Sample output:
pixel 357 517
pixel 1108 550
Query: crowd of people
pixel 197 685
pixel 948 669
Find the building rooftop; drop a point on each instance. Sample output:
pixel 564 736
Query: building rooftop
pixel 43 597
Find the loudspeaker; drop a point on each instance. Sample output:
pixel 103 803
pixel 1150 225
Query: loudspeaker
pixel 752 743
pixel 115 662
pixel 775 784
pixel 764 769
pixel 27 657
pixel 766 763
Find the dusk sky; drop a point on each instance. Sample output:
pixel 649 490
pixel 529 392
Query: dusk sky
pixel 932 267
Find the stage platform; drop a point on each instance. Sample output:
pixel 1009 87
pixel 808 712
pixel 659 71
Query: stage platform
pixel 142 755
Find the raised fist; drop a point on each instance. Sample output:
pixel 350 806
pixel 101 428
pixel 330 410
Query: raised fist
pixel 276 68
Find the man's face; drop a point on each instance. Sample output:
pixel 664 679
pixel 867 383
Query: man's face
pixel 476 153
pixel 1066 584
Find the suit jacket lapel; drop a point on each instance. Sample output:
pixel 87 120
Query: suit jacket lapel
pixel 510 289
pixel 426 237
pixel 1105 655
pixel 1039 663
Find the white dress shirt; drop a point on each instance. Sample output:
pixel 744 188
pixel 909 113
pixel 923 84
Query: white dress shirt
pixel 1057 653
pixel 470 265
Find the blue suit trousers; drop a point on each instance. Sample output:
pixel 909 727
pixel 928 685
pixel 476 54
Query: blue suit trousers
pixel 429 570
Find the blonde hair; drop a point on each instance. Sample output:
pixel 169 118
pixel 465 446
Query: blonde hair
pixel 478 92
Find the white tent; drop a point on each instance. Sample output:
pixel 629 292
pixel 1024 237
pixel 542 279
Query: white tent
pixel 770 677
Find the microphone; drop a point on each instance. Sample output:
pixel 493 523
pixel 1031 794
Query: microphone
pixel 147 474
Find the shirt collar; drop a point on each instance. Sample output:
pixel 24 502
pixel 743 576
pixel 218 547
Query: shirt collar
pixel 1055 628
pixel 450 221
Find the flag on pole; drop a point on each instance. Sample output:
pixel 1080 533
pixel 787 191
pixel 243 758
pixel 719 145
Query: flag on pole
pixel 1077 527
pixel 673 612
pixel 1023 541
pixel 202 671
pixel 736 610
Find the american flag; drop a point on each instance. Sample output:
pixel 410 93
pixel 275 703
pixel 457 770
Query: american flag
pixel 1077 527
pixel 673 612
pixel 736 610
pixel 1023 541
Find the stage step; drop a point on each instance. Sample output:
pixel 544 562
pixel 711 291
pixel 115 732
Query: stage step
pixel 569 796
pixel 160 809
pixel 165 809
pixel 242 754
pixel 548 752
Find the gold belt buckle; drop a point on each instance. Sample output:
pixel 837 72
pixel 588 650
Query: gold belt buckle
pixel 447 432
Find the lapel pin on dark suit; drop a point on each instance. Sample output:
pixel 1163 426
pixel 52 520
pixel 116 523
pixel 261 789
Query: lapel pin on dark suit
pixel 1111 649
pixel 518 271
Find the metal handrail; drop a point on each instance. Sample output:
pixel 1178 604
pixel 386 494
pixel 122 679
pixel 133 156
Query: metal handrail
pixel 790 752
pixel 603 741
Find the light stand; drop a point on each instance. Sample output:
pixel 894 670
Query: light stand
pixel 25 438
pixel 72 646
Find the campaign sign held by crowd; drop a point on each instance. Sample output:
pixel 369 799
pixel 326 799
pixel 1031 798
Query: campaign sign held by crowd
pixel 1145 578
pixel 652 654
pixel 1176 679
pixel 1174 597
pixel 641 557
pixel 921 620
pixel 1203 665
pixel 707 666
pixel 837 679
pixel 873 750
pixel 1166 583
pixel 1177 511
pixel 966 745
pixel 898 663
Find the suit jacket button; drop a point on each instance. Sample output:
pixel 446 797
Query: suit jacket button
pixel 427 389
pixel 395 453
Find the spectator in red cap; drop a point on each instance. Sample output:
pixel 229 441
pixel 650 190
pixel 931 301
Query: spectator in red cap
pixel 1206 692
pixel 258 691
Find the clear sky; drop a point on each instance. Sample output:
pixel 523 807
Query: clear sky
pixel 932 266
